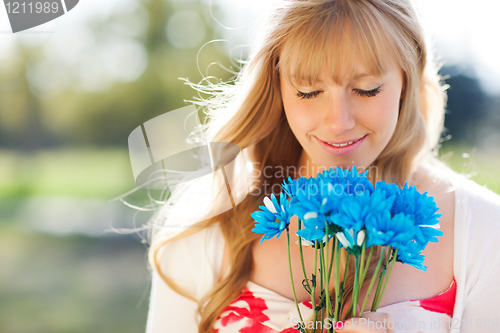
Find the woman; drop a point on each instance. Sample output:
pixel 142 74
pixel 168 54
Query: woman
pixel 332 83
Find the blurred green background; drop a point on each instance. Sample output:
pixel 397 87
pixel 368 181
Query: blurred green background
pixel 69 98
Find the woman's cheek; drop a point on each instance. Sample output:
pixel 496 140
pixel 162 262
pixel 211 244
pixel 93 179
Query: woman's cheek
pixel 301 121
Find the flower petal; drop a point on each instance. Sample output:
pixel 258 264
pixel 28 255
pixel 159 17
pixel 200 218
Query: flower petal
pixel 269 205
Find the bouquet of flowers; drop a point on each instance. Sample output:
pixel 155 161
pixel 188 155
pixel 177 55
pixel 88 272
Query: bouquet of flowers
pixel 342 209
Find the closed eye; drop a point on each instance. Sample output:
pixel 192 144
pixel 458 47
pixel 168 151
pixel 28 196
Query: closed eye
pixel 368 93
pixel 308 95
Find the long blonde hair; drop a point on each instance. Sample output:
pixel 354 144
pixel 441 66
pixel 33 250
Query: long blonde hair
pixel 249 112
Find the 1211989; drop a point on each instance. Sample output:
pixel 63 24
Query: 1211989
pixel 30 7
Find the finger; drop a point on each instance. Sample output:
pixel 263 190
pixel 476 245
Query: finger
pixel 372 322
pixel 380 317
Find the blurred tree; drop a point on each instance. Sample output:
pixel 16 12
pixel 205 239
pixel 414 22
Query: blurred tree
pixel 21 124
pixel 467 104
pixel 108 117
pixel 490 126
pixel 82 117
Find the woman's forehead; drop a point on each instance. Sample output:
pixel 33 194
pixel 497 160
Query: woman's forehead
pixel 343 47
pixel 305 71
pixel 360 73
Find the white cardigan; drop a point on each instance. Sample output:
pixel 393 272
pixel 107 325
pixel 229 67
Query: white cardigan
pixel 194 263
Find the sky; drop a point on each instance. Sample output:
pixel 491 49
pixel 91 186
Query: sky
pixel 463 32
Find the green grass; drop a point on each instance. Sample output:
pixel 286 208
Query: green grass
pixel 481 166
pixel 74 284
pixel 69 284
pixel 101 173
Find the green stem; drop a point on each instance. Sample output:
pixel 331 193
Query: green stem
pixel 322 314
pixel 387 278
pixel 329 308
pixel 331 258
pixel 361 269
pixel 291 275
pixel 343 284
pixel 372 282
pixel 302 261
pixel 313 294
pixel 355 289
pixel 376 298
pixel 336 276
pixel 322 265
pixel 348 311
pixel 377 290
pixel 362 262
pixel 367 264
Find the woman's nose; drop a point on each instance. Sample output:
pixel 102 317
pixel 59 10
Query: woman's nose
pixel 339 113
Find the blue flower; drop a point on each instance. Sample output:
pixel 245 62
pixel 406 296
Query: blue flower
pixel 312 205
pixel 314 222
pixel 382 229
pixel 410 253
pixel 351 181
pixel 341 198
pixel 355 209
pixel 420 206
pixel 273 217
pixel 293 186
pixel 351 240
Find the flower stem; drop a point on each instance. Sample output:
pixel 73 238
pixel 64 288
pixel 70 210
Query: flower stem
pixel 291 275
pixel 362 262
pixel 388 275
pixel 377 291
pixel 321 267
pixel 336 276
pixel 361 265
pixel 302 261
pixel 355 289
pixel 343 285
pixel 327 269
pixel 313 294
pixel 329 309
pixel 331 258
pixel 367 263
pixel 372 282
pixel 378 295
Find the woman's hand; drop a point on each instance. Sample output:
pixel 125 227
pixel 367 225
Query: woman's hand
pixel 370 322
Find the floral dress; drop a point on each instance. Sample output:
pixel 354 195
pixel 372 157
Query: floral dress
pixel 260 310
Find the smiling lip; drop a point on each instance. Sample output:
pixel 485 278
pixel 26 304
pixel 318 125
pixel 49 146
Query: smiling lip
pixel 341 150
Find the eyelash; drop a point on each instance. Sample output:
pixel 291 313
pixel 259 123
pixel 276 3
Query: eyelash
pixel 363 93
pixel 310 95
pixel 368 93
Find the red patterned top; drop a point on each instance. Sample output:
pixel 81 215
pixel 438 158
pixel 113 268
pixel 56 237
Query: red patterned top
pixel 260 310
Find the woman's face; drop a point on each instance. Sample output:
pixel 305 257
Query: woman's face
pixel 343 125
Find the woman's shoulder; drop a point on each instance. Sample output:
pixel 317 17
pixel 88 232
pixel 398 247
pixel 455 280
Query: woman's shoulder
pixel 467 192
pixel 192 261
pixel 477 208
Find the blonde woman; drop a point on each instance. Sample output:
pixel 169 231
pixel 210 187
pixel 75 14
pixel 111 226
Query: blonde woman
pixel 332 83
